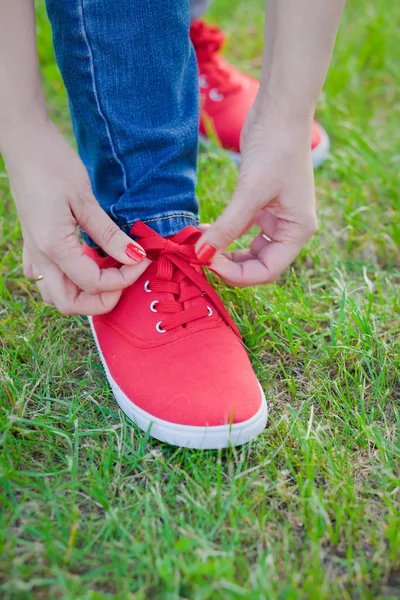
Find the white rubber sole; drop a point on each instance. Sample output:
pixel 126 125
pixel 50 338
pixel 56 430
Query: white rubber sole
pixel 319 153
pixel 187 436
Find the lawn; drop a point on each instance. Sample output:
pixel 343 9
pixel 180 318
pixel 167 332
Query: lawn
pixel 91 509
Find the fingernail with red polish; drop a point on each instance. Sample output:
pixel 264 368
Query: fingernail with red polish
pixel 134 252
pixel 206 253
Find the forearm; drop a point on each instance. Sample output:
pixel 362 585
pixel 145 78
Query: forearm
pixel 299 39
pixel 22 105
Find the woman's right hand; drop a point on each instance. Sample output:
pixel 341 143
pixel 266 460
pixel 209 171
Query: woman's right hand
pixel 53 195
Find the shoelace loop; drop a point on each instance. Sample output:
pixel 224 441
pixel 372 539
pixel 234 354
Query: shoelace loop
pixel 208 41
pixel 179 273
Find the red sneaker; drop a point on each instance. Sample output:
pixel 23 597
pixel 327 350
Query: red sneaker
pixel 173 355
pixel 227 94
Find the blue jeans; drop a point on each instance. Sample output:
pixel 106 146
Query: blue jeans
pixel 131 75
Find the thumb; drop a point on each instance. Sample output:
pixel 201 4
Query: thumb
pixel 229 226
pixel 108 235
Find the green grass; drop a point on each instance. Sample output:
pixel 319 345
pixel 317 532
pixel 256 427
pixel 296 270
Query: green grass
pixel 90 508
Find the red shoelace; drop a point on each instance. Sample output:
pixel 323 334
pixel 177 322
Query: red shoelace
pixel 177 275
pixel 207 41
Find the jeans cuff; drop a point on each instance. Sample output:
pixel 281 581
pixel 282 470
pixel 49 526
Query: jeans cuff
pixel 165 224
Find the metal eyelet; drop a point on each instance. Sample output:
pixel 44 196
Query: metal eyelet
pixel 153 306
pixel 210 312
pixel 215 95
pixel 158 327
pixel 146 286
pixel 203 82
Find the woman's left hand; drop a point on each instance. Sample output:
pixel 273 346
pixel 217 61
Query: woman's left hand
pixel 275 190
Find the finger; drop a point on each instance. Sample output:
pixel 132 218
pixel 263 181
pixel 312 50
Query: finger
pixel 87 275
pixel 234 221
pixel 70 300
pixel 102 229
pixel 203 227
pixel 42 286
pixel 269 224
pixel 260 242
pixel 241 255
pixel 27 263
pixel 262 269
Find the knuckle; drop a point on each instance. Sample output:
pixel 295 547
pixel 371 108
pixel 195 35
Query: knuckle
pixel 60 248
pixel 227 231
pixel 83 210
pixel 52 251
pixel 93 289
pixel 109 233
pixel 46 246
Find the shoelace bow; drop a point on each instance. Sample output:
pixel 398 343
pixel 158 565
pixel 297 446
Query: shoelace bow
pixel 177 275
pixel 208 41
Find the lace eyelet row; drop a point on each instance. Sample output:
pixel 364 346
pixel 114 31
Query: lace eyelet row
pixel 154 304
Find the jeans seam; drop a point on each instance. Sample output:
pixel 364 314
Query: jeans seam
pixel 97 99
pixel 171 217
pixel 179 216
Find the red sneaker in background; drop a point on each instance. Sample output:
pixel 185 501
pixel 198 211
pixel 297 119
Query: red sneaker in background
pixel 227 94
pixel 173 355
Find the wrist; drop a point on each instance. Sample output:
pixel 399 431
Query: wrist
pixel 17 133
pixel 274 102
pixel 281 122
